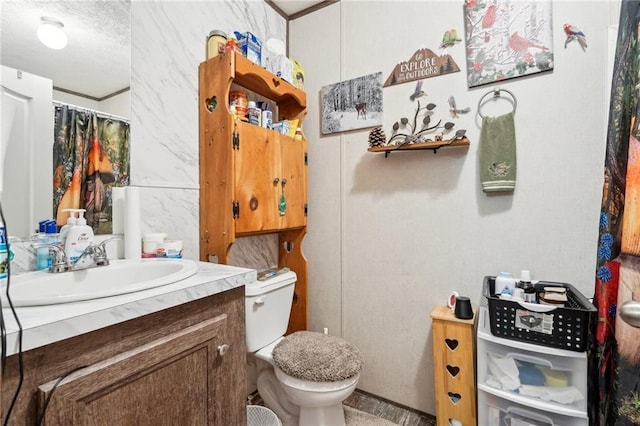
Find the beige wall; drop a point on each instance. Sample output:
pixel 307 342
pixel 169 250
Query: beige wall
pixel 389 239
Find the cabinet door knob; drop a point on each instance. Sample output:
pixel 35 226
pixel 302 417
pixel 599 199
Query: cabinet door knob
pixel 276 180
pixel 223 349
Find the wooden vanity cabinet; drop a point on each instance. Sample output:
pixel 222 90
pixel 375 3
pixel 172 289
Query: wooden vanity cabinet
pixel 245 170
pixel 184 365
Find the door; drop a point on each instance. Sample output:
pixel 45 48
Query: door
pixel 270 181
pixel 26 149
pixel 169 381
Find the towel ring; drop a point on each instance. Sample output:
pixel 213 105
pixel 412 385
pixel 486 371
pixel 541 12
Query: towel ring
pixel 496 94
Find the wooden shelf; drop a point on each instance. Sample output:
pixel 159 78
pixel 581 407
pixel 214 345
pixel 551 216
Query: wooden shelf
pixel 421 146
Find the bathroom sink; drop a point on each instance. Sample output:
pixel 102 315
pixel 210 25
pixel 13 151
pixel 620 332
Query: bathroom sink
pixel 120 277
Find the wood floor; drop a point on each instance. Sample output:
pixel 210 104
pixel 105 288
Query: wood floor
pixel 379 407
pixel 388 410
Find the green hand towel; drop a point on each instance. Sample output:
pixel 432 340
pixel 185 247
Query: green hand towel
pixel 498 153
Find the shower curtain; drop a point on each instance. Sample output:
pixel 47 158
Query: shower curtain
pixel 616 375
pixel 90 156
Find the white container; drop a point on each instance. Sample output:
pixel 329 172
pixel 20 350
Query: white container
pixel 71 221
pixel 504 283
pixel 169 248
pixel 79 237
pixel 150 242
pixel 254 114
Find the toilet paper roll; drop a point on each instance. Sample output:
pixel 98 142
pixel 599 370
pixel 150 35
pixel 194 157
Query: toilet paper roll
pixel 451 302
pixel 117 209
pixel 132 224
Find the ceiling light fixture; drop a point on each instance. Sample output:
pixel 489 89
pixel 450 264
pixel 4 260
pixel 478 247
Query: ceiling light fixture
pixel 51 34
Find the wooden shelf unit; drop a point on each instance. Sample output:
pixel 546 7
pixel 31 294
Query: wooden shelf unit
pixel 245 169
pixel 435 145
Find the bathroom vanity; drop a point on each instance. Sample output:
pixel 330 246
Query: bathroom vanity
pixel 174 354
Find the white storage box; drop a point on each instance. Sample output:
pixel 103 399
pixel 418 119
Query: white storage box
pixel 500 412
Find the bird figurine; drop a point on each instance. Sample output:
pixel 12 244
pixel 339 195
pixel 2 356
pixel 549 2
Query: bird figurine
pixel 573 34
pixel 417 93
pixel 453 109
pixel 450 38
pixel 519 44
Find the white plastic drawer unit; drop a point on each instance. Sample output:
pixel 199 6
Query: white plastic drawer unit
pixel 554 380
pixel 500 412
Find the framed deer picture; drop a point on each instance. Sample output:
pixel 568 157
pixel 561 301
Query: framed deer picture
pixel 352 104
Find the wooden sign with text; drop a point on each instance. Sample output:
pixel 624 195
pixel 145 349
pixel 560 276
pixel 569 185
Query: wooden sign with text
pixel 423 64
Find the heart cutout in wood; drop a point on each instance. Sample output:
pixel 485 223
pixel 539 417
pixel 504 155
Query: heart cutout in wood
pixel 453 370
pixel 452 343
pixel 211 103
pixel 454 397
pixel 455 422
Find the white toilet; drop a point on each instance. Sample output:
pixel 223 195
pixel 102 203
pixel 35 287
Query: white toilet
pixel 305 376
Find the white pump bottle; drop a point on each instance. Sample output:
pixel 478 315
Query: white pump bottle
pixel 71 221
pixel 79 237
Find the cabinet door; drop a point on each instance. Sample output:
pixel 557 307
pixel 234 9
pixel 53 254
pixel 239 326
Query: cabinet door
pixel 166 382
pixel 294 170
pixel 270 181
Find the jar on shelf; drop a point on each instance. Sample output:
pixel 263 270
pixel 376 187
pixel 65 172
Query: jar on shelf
pixel 216 43
pixel 232 46
pixel 238 104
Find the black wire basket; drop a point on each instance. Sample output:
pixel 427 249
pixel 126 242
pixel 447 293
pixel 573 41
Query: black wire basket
pixel 569 327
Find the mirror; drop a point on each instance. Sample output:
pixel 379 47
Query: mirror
pixel 91 72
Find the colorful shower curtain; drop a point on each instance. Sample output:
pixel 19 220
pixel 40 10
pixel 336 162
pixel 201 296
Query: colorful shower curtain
pixel 616 376
pixel 90 156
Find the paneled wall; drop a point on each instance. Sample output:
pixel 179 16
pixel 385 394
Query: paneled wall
pixel 390 238
pixel 168 44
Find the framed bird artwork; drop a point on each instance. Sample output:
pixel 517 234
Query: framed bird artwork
pixel 507 39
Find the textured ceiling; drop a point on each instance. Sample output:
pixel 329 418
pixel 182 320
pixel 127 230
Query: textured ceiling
pixel 97 60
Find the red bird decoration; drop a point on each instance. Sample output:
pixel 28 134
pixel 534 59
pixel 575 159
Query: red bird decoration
pixel 519 44
pixel 574 33
pixel 490 17
pixel 488 20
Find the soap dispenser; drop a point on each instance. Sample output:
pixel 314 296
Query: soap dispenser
pixel 79 237
pixel 71 221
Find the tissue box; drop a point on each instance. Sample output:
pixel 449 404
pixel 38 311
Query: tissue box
pixel 250 46
pixel 281 66
pixel 298 74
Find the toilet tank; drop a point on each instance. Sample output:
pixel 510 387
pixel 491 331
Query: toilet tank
pixel 267 309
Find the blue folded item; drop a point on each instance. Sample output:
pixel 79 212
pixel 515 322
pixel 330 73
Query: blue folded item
pixel 529 374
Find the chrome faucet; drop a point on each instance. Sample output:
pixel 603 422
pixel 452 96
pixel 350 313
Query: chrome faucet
pixel 92 256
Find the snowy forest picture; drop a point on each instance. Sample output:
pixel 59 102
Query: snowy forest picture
pixel 352 104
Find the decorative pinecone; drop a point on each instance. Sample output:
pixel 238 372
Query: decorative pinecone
pixel 377 137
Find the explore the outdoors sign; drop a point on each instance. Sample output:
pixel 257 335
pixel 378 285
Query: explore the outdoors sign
pixel 423 64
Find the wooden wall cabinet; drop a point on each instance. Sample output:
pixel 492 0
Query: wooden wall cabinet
pixel 245 170
pixel 182 365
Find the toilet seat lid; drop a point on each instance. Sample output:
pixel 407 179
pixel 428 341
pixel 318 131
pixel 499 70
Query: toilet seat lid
pixel 316 357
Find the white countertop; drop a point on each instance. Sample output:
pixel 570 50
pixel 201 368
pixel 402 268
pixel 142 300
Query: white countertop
pixel 43 325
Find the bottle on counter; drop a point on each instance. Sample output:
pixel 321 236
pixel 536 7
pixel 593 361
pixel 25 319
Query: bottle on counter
pixel 79 237
pixel 47 234
pixel 71 221
pixel 504 283
pixel 4 253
